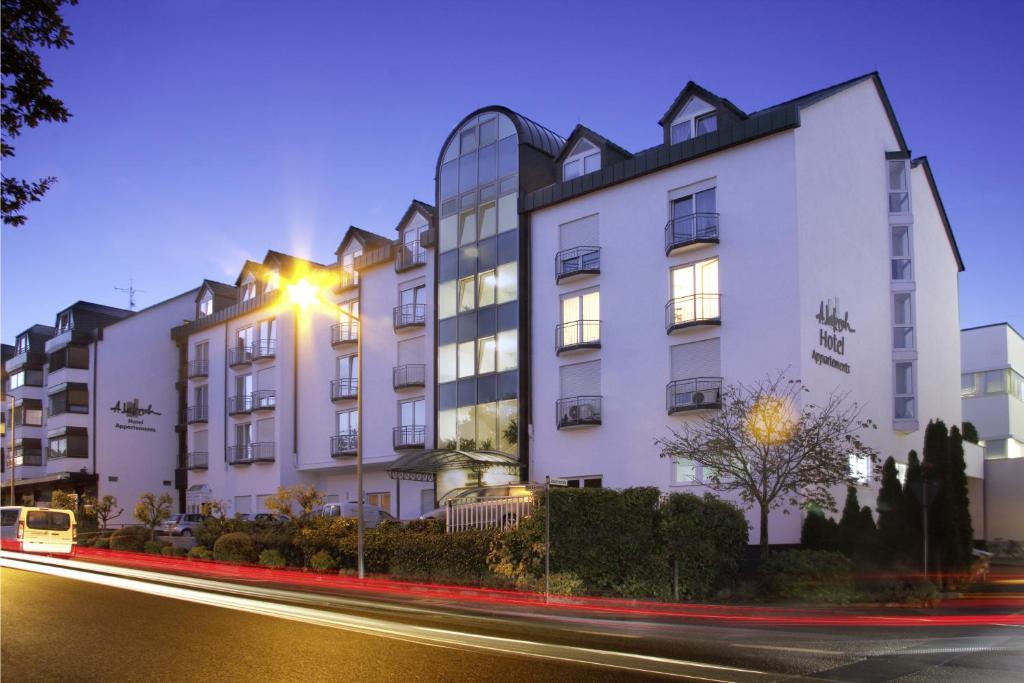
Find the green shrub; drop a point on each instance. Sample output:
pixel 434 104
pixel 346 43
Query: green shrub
pixel 811 575
pixel 566 583
pixel 200 552
pixel 460 557
pixel 272 558
pixel 167 550
pixel 101 542
pixel 325 534
pixel 86 541
pixel 178 551
pixel 153 547
pixel 280 537
pixel 322 561
pixel 130 538
pixel 819 532
pixel 212 528
pixel 237 547
pixel 706 538
pixel 902 590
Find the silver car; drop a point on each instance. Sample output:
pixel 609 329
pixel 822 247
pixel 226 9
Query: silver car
pixel 183 524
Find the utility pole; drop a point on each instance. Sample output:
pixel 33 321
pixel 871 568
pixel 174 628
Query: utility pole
pixel 547 539
pixel 10 451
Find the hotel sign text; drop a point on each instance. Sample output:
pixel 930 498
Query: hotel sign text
pixel 832 333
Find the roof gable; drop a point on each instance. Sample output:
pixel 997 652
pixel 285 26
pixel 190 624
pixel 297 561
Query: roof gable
pixel 581 132
pixel 691 89
pixel 367 239
pixel 416 207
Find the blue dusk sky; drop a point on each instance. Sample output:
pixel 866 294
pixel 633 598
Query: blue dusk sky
pixel 208 131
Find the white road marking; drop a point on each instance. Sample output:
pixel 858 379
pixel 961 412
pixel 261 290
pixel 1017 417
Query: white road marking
pixel 782 648
pixel 404 632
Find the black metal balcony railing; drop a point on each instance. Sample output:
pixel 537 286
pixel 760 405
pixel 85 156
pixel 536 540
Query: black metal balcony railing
pixel 344 388
pixel 410 315
pixel 405 376
pixel 197 414
pixel 264 399
pixel 29 459
pixel 577 261
pixel 409 256
pixel 198 368
pixel 695 309
pixel 409 436
pixel 258 451
pixel 345 333
pixel 264 348
pixel 577 411
pixel 240 355
pixel 697 228
pixel 698 393
pixel 344 444
pixel 578 334
pixel 238 405
pixel 198 460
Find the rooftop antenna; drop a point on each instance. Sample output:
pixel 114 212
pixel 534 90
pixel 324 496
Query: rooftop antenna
pixel 131 291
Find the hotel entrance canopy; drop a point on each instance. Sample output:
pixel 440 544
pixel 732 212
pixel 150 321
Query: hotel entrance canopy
pixel 425 465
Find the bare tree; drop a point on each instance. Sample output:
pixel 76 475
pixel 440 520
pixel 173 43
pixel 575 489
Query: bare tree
pixel 287 498
pixel 106 509
pixel 772 448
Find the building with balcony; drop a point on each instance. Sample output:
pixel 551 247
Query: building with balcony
pixel 992 387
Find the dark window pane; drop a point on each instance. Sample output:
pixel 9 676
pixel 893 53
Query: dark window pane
pixel 467 391
pixel 487 388
pixel 448 266
pixel 446 331
pixel 488 250
pixel 449 207
pixel 446 396
pixel 488 163
pixel 508 316
pixel 467 172
pixel 488 132
pixel 468 141
pixel 508 385
pixel 508 156
pixel 468 200
pixel 707 124
pixel 467 260
pixel 467 326
pixel 508 185
pixel 508 246
pixel 449 179
pixel 488 192
pixel 486 321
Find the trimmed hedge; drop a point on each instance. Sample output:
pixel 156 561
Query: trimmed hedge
pixel 153 547
pixel 272 558
pixel 200 553
pixel 459 557
pixel 322 562
pixel 811 575
pixel 130 538
pixel 101 542
pixel 706 537
pixel 237 547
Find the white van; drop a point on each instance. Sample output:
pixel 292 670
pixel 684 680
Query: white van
pixel 38 530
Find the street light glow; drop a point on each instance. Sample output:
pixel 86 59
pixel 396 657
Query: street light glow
pixel 303 294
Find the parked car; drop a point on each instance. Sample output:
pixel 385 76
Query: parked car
pixel 481 494
pixel 270 517
pixel 373 515
pixel 183 524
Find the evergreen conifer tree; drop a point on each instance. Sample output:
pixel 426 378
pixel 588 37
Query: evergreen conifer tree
pixel 942 517
pixel 912 508
pixel 893 531
pixel 961 554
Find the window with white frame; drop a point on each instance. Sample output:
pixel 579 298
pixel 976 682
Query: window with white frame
pixel 695 292
pixel 272 283
pixel 902 268
pixel 585 158
pixel 585 482
pixel 905 408
pixel 412 413
pixel 581 319
pixel 903 320
pixel 860 468
pixel 243 434
pixel 248 289
pixel 21 344
pixel 64 322
pixel 686 473
pixel 696 118
pixel 348 264
pixel 206 304
pixel 347 422
pixel 413 295
pixel 266 336
pixel 347 367
pixel 899 194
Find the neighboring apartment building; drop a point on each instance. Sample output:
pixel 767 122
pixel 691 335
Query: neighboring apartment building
pixel 992 386
pixel 93 411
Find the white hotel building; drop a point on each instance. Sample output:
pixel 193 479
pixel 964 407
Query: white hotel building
pixel 565 302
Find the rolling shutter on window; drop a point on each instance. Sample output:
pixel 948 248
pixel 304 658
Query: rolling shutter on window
pixel 579 233
pixel 581 379
pixel 243 505
pixel 697 359
pixel 410 351
pixel 265 430
pixel 265 379
pixel 201 441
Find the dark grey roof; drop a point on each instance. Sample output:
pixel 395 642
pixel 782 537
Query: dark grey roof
pixel 414 206
pixel 536 135
pixel 923 162
pixel 691 89
pixel 6 351
pixel 581 131
pixel 218 288
pixel 369 239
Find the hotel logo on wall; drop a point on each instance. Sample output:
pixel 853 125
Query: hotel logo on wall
pixel 135 415
pixel 832 333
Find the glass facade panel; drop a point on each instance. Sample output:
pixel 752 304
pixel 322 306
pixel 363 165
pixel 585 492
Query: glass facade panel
pixel 488 220
pixel 508 212
pixel 446 299
pixel 467 228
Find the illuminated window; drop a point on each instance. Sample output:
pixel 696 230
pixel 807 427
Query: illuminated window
pixel 248 290
pixel 206 304
pixel 860 468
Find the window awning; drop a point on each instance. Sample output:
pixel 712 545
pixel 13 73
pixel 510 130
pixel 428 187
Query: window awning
pixel 424 465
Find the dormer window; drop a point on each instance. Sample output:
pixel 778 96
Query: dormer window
pixel 585 158
pixel 696 118
pixel 248 290
pixel 348 265
pixel 21 344
pixel 206 304
pixel 64 322
pixel 272 283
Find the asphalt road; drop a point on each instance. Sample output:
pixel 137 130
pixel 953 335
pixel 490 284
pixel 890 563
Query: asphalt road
pixel 84 626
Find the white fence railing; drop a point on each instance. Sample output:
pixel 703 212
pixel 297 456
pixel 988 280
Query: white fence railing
pixel 490 513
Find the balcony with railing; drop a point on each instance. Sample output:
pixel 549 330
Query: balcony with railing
pixel 344 389
pixel 344 333
pixel 240 405
pixel 239 355
pixel 244 454
pixel 577 411
pixel 406 376
pixel 410 315
pixel 264 399
pixel 264 349
pixel 691 230
pixel 409 436
pixel 577 261
pixel 693 310
pixel 344 445
pixel 198 369
pixel 197 414
pixel 409 255
pixel 697 393
pixel 197 460
pixel 577 335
